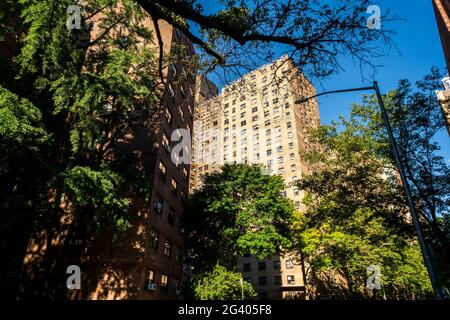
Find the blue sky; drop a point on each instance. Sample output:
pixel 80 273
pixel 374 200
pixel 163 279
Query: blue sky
pixel 419 48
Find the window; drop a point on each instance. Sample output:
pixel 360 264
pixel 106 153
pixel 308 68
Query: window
pixel 154 239
pixel 291 279
pixel 292 156
pixel 280 170
pixel 227 121
pixel 290 135
pixel 276 265
pixel 178 255
pixel 151 276
pixel 168 116
pixel 277 280
pixel 289 264
pixel 173 69
pixel 242 114
pixel 247 267
pixel 291 145
pixel 269 152
pixel 254 118
pixel 280 149
pixel 293 168
pixel 286 105
pixel 177 287
pixel 255 127
pixel 168 248
pixel 162 171
pixel 171 216
pixel 296 192
pixel 254 109
pixel 267 123
pixel 243 123
pixel 289 125
pixel 262 281
pixel 280 159
pixel 171 91
pixel 283 194
pixel 158 203
pixel 173 186
pixel 164 283
pixel 166 142
pixel 274 101
pixel 185 173
pixel 261 266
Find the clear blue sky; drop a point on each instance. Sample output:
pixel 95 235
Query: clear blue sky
pixel 419 48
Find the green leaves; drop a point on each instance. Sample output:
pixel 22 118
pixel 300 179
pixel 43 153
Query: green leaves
pixel 20 124
pixel 238 211
pixel 221 284
pixel 99 192
pixel 357 214
pixel 66 108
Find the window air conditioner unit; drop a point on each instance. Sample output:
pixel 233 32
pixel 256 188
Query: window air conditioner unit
pixel 151 286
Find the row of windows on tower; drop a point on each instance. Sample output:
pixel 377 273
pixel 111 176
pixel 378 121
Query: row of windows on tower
pixel 165 282
pixel 168 246
pixel 267 122
pixel 158 207
pixel 255 109
pixel 276 264
pixel 262 281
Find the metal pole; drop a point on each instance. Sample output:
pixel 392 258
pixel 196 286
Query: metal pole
pixel 412 208
pixel 242 288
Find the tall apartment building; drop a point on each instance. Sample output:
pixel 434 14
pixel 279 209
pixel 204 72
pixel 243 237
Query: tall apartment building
pixel 255 120
pixel 442 12
pixel 147 264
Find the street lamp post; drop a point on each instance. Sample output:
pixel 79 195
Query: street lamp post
pixel 412 209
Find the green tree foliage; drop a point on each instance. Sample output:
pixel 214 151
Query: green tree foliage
pixel 357 215
pixel 221 284
pixel 68 101
pixel 237 211
pixel 243 34
pixel 417 120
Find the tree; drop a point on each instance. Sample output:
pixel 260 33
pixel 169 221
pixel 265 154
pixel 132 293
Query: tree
pixel 241 34
pixel 221 284
pixel 67 102
pixel 237 211
pixel 357 217
pixel 416 119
